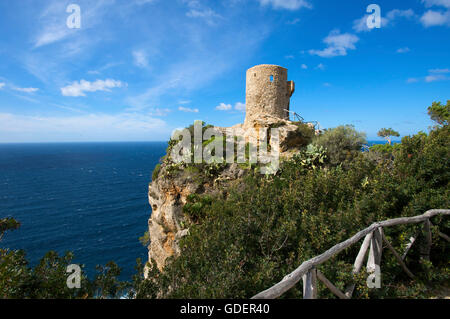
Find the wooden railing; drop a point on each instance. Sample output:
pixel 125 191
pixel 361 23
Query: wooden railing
pixel 374 239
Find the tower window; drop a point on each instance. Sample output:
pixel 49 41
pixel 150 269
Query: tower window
pixel 271 78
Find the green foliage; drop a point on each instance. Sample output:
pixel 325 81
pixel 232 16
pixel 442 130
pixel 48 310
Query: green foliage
pixel 142 288
pixel 382 148
pixel 106 283
pixel 6 224
pixel 311 157
pixel 342 143
pixel 440 113
pixel 145 239
pixel 156 171
pixel 387 133
pixel 195 207
pixel 380 153
pixel 15 276
pixel 306 132
pixel 46 281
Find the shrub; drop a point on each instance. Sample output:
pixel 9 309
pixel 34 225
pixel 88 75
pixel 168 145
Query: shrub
pixel 156 171
pixel 342 143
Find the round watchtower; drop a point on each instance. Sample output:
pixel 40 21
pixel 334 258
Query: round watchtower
pixel 267 92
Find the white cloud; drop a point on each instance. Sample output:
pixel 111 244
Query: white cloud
pixel 286 4
pixel 439 3
pixel 78 88
pixel 304 66
pixel 142 2
pixel 436 77
pixel 435 18
pixel 239 106
pixel 159 112
pixel 439 71
pixel 224 107
pixel 338 44
pixel 140 58
pixel 2 85
pixel 403 50
pixel 412 80
pixel 320 66
pixel 187 109
pixel 27 90
pixel 84 127
pixel 397 13
pixel 360 25
pixel 209 15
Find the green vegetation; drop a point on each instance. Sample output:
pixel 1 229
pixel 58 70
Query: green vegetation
pixel 387 133
pixel 440 113
pixel 8 224
pixel 248 238
pixel 47 280
pixel 343 144
pixel 156 171
pixel 246 241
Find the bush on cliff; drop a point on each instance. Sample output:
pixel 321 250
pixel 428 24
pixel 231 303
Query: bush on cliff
pixel 343 143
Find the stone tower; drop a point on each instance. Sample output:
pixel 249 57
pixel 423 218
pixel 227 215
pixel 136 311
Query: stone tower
pixel 267 92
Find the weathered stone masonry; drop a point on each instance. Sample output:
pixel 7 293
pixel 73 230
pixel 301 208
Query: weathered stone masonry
pixel 268 92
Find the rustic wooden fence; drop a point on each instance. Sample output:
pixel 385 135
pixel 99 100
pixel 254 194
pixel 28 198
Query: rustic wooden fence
pixel 373 238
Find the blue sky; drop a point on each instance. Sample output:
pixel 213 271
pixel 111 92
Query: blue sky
pixel 138 69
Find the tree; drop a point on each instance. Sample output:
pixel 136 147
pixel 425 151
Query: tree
pixel 387 133
pixel 8 224
pixel 342 143
pixel 440 113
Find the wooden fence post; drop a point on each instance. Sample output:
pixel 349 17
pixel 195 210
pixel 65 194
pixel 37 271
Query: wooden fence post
pixel 359 262
pixel 409 245
pixel 330 286
pixel 425 246
pixel 376 250
pixel 310 284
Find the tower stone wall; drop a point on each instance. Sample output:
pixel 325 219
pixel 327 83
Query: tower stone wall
pixel 268 92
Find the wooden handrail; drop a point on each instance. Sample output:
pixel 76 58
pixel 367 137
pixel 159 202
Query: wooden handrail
pixel 294 277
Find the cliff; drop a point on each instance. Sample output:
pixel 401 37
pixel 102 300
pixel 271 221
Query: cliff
pixel 173 183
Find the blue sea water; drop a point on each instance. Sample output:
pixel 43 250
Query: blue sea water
pixel 89 198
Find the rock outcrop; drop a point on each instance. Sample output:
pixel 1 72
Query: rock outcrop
pixel 167 196
pixel 168 193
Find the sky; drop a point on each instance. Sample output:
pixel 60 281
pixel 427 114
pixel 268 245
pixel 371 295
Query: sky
pixel 135 70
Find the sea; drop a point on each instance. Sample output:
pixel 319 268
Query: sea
pixel 88 198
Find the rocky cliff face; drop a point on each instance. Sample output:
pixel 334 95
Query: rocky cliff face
pixel 167 195
pixel 172 185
